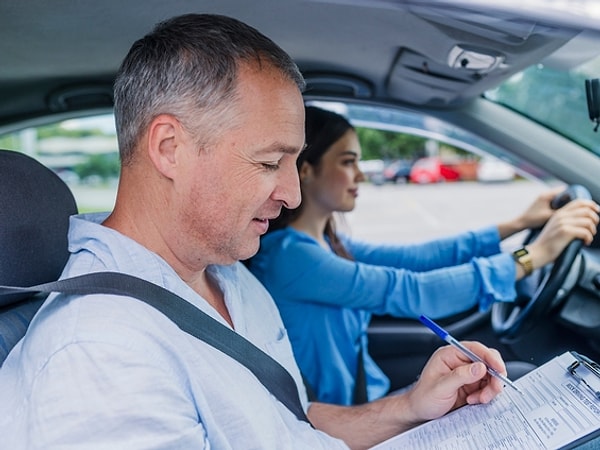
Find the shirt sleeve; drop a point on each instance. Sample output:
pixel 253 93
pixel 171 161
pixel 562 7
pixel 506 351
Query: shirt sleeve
pixel 430 255
pixel 301 270
pixel 79 398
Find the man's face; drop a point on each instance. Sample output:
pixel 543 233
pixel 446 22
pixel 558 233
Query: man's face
pixel 242 180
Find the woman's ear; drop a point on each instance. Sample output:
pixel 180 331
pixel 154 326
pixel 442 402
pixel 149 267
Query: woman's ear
pixel 306 172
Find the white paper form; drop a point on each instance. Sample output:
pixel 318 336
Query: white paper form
pixel 554 411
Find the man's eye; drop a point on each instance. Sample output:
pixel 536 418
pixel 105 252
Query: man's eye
pixel 271 166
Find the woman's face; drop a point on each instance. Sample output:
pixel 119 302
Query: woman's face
pixel 333 184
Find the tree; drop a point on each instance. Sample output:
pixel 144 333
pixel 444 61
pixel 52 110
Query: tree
pixel 381 144
pixel 390 145
pixel 105 166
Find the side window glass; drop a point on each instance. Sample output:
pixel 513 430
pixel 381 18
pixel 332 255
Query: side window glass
pixel 82 151
pixel 418 189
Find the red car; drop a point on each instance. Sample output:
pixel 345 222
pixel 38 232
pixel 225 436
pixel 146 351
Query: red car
pixel 431 170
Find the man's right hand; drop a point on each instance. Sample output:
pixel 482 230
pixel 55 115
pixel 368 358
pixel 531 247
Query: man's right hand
pixel 450 380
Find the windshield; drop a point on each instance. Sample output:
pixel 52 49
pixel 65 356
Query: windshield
pixel 555 98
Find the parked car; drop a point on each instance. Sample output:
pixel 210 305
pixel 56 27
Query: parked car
pixel 505 79
pixel 492 169
pixel 431 170
pixel 398 171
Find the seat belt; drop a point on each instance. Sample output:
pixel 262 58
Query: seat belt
pixel 189 319
pixel 360 383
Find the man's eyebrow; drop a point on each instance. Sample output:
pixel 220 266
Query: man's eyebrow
pixel 282 148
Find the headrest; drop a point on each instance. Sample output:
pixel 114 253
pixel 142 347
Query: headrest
pixel 35 205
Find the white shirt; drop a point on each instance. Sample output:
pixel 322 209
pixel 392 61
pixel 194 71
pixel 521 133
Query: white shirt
pixel 111 372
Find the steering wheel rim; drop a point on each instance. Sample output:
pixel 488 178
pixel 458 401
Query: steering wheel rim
pixel 510 320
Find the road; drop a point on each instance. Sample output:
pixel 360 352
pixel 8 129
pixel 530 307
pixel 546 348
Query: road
pixel 411 213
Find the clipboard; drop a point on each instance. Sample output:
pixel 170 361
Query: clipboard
pixel 558 410
pixel 592 369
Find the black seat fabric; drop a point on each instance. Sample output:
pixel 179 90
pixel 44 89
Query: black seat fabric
pixel 35 205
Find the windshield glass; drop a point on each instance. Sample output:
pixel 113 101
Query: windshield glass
pixel 554 98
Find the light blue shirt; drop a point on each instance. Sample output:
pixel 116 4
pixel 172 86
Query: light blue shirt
pixel 111 372
pixel 326 301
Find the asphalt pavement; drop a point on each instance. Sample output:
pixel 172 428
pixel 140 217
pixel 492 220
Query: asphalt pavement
pixel 403 213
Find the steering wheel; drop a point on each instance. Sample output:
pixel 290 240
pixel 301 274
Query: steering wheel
pixel 510 320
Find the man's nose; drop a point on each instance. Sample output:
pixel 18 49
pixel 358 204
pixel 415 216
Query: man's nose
pixel 288 190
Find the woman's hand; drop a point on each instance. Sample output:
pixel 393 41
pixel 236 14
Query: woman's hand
pixel 539 211
pixel 535 216
pixel 578 219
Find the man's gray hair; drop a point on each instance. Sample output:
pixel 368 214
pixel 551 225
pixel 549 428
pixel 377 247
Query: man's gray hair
pixel 187 67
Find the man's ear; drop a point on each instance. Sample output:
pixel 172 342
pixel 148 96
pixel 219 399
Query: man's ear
pixel 164 139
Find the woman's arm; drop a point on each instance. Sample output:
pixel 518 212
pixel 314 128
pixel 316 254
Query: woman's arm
pixel 430 255
pixel 298 269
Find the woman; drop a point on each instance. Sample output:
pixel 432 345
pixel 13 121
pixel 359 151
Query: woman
pixel 327 285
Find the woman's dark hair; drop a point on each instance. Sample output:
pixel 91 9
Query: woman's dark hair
pixel 322 129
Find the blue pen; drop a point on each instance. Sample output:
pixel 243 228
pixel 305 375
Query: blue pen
pixel 472 356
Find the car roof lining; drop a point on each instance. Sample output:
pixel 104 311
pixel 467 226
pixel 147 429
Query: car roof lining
pixel 33 70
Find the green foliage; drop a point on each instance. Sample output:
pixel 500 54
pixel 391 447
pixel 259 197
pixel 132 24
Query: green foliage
pixel 57 129
pixel 9 142
pixel 390 145
pixel 381 144
pixel 105 166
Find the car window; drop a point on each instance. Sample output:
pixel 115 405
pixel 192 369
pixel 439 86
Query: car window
pixel 425 178
pixel 82 151
pixel 458 184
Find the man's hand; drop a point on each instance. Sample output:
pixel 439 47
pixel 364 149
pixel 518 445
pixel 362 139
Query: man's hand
pixel 450 380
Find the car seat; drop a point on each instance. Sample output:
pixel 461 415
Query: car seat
pixel 35 205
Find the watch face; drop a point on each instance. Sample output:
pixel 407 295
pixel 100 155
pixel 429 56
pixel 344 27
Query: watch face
pixel 520 252
pixel 523 258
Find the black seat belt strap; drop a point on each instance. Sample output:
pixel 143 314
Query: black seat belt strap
pixel 189 319
pixel 360 383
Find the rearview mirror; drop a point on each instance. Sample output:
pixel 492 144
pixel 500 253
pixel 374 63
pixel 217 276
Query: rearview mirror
pixel 592 92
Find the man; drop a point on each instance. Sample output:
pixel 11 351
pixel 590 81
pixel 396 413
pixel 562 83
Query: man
pixel 210 120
